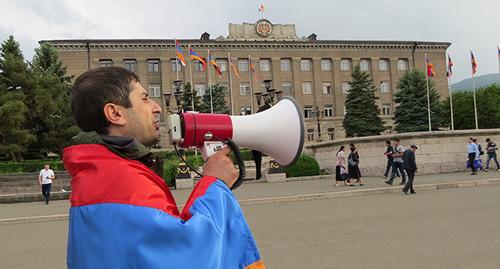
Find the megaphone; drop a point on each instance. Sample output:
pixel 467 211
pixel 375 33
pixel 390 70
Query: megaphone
pixel 277 131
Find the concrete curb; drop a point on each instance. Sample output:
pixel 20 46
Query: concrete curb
pixel 302 197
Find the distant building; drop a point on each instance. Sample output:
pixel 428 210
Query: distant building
pixel 315 72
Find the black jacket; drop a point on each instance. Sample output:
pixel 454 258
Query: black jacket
pixel 409 160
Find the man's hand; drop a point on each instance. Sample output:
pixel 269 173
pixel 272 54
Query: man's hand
pixel 221 167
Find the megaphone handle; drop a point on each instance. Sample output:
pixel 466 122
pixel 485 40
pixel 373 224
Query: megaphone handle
pixel 239 161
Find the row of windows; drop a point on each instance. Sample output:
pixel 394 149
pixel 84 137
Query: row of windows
pixel 328 111
pixel 330 132
pixel 265 65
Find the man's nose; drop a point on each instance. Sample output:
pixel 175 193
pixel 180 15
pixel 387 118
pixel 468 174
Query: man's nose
pixel 156 107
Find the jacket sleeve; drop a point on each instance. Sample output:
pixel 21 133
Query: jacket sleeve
pixel 211 233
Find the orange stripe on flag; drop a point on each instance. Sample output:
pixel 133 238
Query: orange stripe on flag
pixel 256 265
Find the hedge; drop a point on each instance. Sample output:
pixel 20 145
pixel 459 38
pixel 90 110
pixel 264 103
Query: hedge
pixel 305 166
pixel 30 166
pixel 170 166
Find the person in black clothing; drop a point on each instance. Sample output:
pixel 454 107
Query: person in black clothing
pixel 353 166
pixel 257 155
pixel 410 165
pixel 390 159
pixel 491 150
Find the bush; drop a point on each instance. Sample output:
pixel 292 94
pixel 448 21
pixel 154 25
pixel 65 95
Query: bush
pixel 30 166
pixel 305 166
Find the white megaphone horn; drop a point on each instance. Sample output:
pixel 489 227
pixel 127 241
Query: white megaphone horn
pixel 277 131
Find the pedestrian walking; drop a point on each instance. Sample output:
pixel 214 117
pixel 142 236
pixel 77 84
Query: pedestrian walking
pixel 353 166
pixel 45 179
pixel 491 151
pixel 472 154
pixel 398 163
pixel 341 174
pixel 410 166
pixel 390 159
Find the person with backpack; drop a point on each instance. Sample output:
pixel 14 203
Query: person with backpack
pixel 491 151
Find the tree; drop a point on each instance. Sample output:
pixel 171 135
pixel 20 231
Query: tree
pixel 488 110
pixel 51 118
pixel 362 113
pixel 187 99
pixel 411 104
pixel 218 100
pixel 14 138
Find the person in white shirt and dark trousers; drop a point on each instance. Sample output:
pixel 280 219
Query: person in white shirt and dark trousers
pixel 472 154
pixel 45 179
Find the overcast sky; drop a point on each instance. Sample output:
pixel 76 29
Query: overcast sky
pixel 467 24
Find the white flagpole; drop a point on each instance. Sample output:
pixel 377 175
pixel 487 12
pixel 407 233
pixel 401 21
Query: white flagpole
pixel 428 96
pixel 230 82
pixel 251 84
pixel 498 56
pixel 176 60
pixel 191 78
pixel 209 88
pixel 474 91
pixel 451 105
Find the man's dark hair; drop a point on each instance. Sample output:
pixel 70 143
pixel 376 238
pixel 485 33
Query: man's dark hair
pixel 488 140
pixel 94 89
pixel 396 139
pixel 388 141
pixel 474 140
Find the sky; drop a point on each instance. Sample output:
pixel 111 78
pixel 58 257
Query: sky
pixel 467 24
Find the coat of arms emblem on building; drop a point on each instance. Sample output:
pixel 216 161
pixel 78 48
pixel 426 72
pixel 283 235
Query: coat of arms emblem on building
pixel 263 27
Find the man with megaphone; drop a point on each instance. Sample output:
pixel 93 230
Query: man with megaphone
pixel 122 214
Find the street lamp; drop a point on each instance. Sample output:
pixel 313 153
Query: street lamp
pixel 318 114
pixel 270 96
pixel 177 96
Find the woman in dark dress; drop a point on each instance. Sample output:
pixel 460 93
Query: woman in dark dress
pixel 353 166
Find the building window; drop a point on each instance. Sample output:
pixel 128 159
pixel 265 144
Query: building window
pixel 130 65
pixel 346 87
pixel 326 65
pixel 402 64
pixel 328 111
pixel 345 64
pixel 307 87
pixel 383 65
pixel 176 66
pixel 386 109
pixel 154 90
pixel 385 87
pixel 243 65
pixel 286 65
pixel 198 66
pixel 106 63
pixel 244 88
pixel 310 134
pixel 308 112
pixel 265 65
pixel 364 65
pixel 154 66
pixel 222 64
pixel 286 87
pixel 331 133
pixel 327 87
pixel 305 65
pixel 200 89
pixel 245 110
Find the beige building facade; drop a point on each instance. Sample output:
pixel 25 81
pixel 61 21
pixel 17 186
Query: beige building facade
pixel 315 72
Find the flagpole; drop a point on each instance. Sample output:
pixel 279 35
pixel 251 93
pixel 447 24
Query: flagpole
pixel 251 83
pixel 451 105
pixel 428 96
pixel 230 82
pixel 191 77
pixel 176 60
pixel 475 106
pixel 209 88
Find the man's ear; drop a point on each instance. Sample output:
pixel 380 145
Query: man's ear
pixel 115 114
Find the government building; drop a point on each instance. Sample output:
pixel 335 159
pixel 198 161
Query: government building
pixel 315 72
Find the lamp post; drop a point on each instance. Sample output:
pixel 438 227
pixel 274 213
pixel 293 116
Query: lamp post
pixel 268 95
pixel 177 96
pixel 318 114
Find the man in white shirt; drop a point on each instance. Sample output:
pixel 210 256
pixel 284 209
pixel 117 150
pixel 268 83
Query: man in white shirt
pixel 45 179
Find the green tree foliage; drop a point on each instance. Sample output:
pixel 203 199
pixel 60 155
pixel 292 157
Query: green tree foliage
pixel 50 111
pixel 218 100
pixel 411 104
pixel 187 99
pixel 14 78
pixel 488 108
pixel 362 113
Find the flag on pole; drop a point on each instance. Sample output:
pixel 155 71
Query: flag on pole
pixel 261 8
pixel 232 63
pixel 449 71
pixel 215 65
pixel 473 62
pixel 498 49
pixel 252 70
pixel 180 55
pixel 195 56
pixel 430 67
